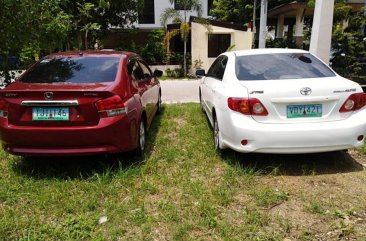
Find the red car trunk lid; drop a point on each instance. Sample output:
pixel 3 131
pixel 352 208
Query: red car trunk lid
pixel 54 107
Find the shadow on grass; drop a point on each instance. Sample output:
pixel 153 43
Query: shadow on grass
pixel 290 164
pixel 293 164
pixel 84 167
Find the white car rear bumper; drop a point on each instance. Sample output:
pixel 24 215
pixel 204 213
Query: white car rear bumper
pixel 294 137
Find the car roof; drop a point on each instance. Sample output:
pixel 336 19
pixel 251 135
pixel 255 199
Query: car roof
pixel 94 53
pixel 267 51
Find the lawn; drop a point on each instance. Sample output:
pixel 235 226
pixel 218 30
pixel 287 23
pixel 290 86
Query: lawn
pixel 183 190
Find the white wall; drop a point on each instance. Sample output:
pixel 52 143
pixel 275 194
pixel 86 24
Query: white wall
pixel 241 40
pixel 161 5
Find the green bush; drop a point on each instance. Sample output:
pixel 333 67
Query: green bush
pixel 152 51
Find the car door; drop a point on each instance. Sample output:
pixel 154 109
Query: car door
pixel 151 89
pixel 213 82
pixel 138 84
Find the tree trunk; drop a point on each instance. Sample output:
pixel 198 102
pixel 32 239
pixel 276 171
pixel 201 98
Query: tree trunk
pixel 184 57
pixel 86 40
pixel 168 52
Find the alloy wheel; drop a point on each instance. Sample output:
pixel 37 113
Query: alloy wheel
pixel 142 138
pixel 216 135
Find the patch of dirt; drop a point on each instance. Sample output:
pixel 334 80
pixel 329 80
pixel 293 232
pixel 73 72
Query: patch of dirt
pixel 180 122
pixel 326 193
pixel 358 157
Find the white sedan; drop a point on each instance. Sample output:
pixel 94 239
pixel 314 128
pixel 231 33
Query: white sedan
pixel 281 101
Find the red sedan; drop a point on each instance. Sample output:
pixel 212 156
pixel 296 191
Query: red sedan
pixel 80 103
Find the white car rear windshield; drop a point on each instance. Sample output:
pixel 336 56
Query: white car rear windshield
pixel 280 66
pixel 73 70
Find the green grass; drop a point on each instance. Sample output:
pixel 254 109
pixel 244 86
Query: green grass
pixel 182 190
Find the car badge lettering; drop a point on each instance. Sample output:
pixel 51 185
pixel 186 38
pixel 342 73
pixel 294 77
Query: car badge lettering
pixel 11 95
pixel 305 91
pixel 48 95
pixel 345 91
pixel 257 92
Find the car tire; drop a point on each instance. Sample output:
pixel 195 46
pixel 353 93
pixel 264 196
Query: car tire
pixel 158 105
pixel 201 103
pixel 216 131
pixel 141 138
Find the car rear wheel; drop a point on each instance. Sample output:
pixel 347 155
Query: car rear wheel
pixel 158 108
pixel 201 103
pixel 142 138
pixel 216 135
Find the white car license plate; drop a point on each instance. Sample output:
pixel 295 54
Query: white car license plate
pixel 298 111
pixel 48 114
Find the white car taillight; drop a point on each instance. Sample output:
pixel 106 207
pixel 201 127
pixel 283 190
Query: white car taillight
pixel 4 107
pixel 354 102
pixel 112 106
pixel 251 106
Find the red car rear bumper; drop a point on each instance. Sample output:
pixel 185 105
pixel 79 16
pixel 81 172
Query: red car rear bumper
pixel 111 135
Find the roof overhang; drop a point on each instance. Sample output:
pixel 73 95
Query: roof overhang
pixel 210 22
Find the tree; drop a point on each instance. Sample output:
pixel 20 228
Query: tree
pixel 348 44
pixel 27 27
pixel 239 11
pixel 236 11
pixel 30 26
pixel 170 13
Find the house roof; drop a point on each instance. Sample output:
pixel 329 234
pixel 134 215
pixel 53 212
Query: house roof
pixel 211 22
pixel 289 9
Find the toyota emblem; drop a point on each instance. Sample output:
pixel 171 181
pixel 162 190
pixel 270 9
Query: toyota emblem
pixel 305 91
pixel 48 95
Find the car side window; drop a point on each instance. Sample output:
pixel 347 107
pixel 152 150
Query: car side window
pixel 211 71
pixel 146 70
pixel 218 67
pixel 221 68
pixel 135 70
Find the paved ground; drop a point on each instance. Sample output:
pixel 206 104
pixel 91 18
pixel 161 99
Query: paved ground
pixel 179 91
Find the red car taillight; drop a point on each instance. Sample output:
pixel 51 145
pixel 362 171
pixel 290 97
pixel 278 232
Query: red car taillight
pixel 354 102
pixel 4 107
pixel 246 106
pixel 112 106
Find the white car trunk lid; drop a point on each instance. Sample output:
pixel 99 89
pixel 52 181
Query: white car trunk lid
pixel 302 100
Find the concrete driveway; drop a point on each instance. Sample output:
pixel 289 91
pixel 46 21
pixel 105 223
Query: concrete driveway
pixel 179 91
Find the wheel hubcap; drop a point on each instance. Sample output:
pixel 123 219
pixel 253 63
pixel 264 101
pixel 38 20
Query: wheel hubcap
pixel 142 136
pixel 216 134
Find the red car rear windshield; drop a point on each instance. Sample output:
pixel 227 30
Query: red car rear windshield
pixel 83 69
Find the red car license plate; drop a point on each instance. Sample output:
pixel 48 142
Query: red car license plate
pixel 48 114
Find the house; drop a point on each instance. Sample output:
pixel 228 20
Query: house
pixel 210 38
pixel 293 16
pixel 148 20
pixel 204 44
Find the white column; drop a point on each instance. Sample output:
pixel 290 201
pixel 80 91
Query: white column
pixel 280 22
pixel 254 27
pixel 263 24
pixel 321 34
pixel 299 30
